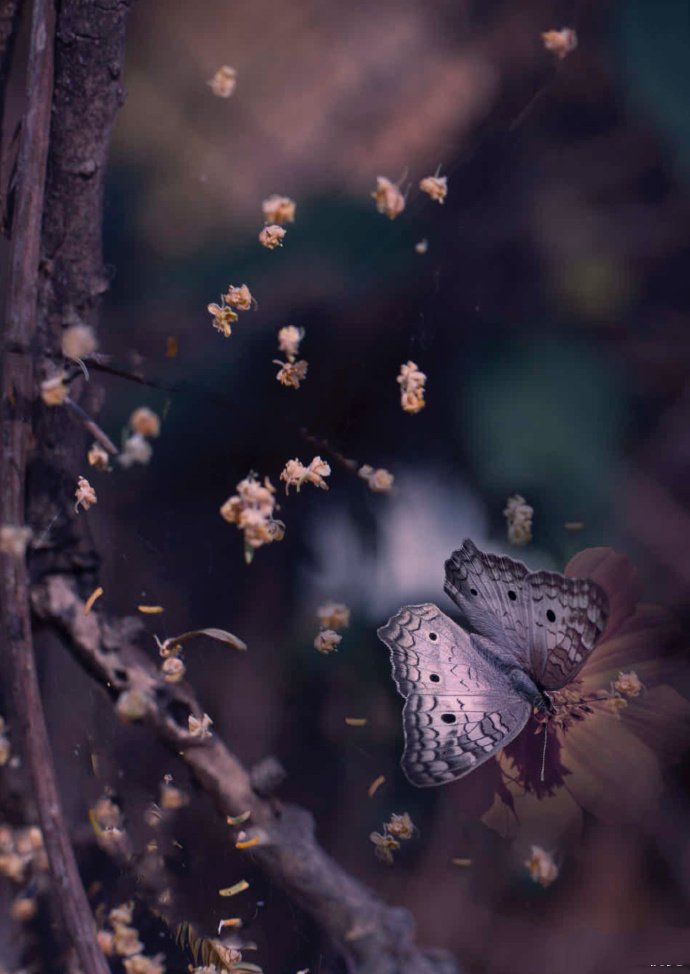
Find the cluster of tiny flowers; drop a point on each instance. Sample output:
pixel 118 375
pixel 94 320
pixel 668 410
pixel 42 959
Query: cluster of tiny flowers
pixel 387 842
pixel 332 616
pixel 53 390
pixel 120 938
pixel 295 474
pixel 98 458
pixel 171 799
pixel 560 42
pixel 271 236
pixel 223 317
pixel 379 480
pixel 435 187
pixel 108 825
pixel 144 424
pixel 411 382
pixel 292 372
pixel 623 689
pixel 389 200
pixel 541 866
pixel 23 861
pixel 327 641
pixel 240 298
pixel 78 342
pixel 223 82
pixel 85 495
pixel 5 748
pixel 279 209
pixel 251 509
pixel 518 514
pixel 199 727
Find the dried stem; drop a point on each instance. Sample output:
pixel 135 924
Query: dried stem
pixel 372 937
pixel 18 391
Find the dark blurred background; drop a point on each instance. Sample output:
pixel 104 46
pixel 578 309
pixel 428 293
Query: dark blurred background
pixel 551 315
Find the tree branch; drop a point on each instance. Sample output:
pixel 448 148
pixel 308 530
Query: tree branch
pixel 18 391
pixel 372 937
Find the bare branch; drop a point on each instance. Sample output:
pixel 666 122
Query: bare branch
pixel 18 390
pixel 372 937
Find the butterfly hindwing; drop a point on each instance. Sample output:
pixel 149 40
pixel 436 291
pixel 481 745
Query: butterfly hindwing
pixel 449 735
pixel 460 709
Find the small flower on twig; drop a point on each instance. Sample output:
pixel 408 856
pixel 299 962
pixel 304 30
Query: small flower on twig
pixel 435 186
pixel 327 641
pixel 291 373
pixel 272 236
pixel 389 199
pixel 173 669
pixel 518 514
pixel 98 457
pixel 199 727
pixel 136 449
pixel 560 42
pixel 412 389
pixel 289 339
pixel 54 391
pixel 223 82
pixel 541 866
pixel 279 209
pixel 223 317
pixel 379 480
pixel 384 846
pixel 251 509
pixel 145 422
pixel 628 684
pixel 85 495
pixel 295 474
pixel 400 826
pixel 78 342
pixel 240 298
pixel 333 615
pixel 421 246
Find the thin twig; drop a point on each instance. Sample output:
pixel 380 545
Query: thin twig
pixel 18 392
pixel 371 936
pixel 92 426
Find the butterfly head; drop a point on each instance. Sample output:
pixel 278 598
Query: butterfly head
pixel 544 704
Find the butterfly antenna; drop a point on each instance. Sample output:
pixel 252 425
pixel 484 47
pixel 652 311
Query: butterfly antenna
pixel 543 754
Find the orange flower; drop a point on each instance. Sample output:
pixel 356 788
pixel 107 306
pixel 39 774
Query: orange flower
pixel 613 726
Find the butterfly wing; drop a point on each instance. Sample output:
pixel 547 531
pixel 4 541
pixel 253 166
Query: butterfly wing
pixel 566 618
pixel 548 621
pixel 459 709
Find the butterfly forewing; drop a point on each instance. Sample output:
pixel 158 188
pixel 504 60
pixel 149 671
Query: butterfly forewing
pixel 460 709
pixel 490 592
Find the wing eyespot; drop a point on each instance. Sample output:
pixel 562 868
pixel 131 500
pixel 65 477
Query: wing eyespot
pixel 448 718
pixel 433 636
pixel 550 615
pixel 434 677
pixel 512 595
pixel 473 591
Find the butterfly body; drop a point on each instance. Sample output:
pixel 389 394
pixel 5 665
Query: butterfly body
pixel 466 694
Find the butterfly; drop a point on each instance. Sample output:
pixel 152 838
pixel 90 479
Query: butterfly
pixel 468 694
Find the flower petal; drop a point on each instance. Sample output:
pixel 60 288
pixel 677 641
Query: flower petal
pixel 614 775
pixel 617 577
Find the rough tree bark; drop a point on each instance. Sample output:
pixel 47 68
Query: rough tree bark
pixel 372 937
